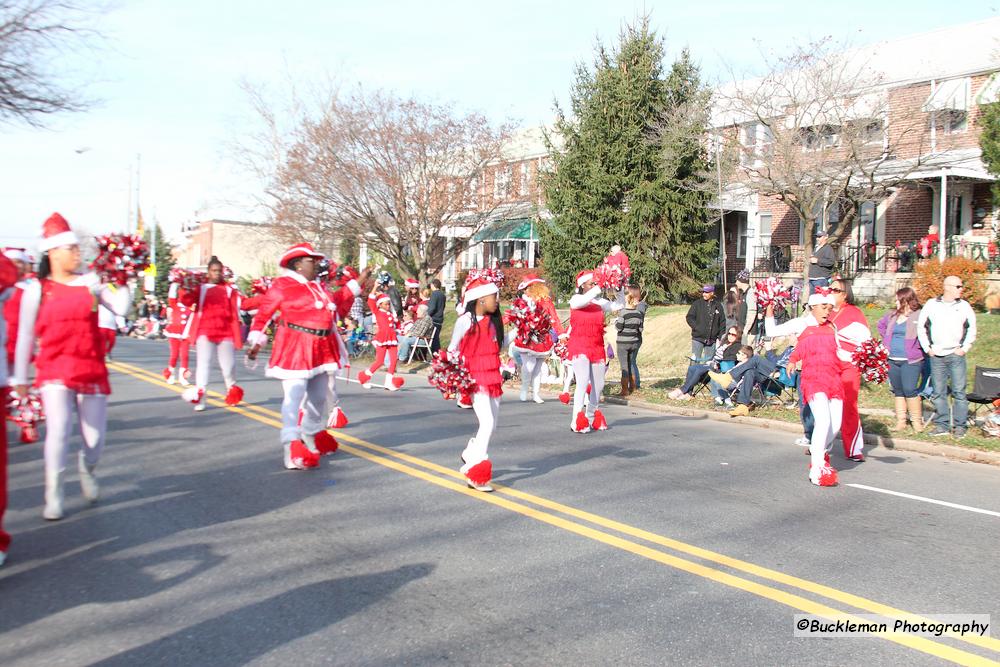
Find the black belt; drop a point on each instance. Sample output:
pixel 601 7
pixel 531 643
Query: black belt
pixel 322 333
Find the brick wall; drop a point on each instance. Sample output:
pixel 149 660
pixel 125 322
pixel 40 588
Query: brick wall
pixel 908 214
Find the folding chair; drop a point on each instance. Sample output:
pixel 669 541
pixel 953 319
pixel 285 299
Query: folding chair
pixel 985 390
pixel 724 367
pixel 422 342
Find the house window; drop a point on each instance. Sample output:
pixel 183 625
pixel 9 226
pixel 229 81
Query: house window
pixel 872 132
pixel 741 242
pixel 827 223
pixel 757 140
pixel 952 121
pixel 765 229
pixel 819 137
pixel 525 179
pixel 501 184
pixel 866 222
pixel 472 194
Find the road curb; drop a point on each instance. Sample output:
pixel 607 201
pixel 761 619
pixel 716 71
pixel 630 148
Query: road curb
pixel 875 440
pixel 901 444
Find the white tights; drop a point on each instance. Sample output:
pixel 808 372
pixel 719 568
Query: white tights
pixel 587 373
pixel 487 410
pixel 92 412
pixel 531 373
pixel 309 395
pixel 227 361
pixel 332 397
pixel 828 413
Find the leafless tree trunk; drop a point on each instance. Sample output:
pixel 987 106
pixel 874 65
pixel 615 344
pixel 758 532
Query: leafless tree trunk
pixel 395 173
pixel 34 34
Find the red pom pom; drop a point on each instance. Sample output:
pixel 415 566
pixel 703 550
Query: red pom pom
pixel 325 443
pixel 337 419
pixel 610 276
pixel 167 372
pixel 481 473
pixel 29 434
pixel 581 422
pixel 531 321
pixel 302 456
pixel 450 375
pixel 771 292
pixel 120 257
pixel 261 285
pixel 872 359
pixel 564 397
pixel 234 395
pixel 599 423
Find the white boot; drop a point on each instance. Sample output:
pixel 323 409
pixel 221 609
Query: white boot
pixel 388 382
pixel 182 377
pixel 53 496
pixel 88 483
pixel 172 377
pixel 524 391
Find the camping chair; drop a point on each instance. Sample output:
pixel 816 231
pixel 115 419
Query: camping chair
pixel 724 367
pixel 985 390
pixel 423 342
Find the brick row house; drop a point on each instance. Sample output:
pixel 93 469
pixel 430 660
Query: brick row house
pixel 935 84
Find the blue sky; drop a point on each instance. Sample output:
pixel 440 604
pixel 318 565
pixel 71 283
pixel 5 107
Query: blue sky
pixel 168 73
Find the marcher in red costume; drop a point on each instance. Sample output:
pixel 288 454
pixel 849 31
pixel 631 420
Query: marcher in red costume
pixel 216 328
pixel 58 312
pixel 386 343
pixel 9 274
pixel 478 336
pixel 11 298
pixel 816 354
pixel 181 304
pixel 301 356
pixel 852 330
pixel 534 354
pixel 587 351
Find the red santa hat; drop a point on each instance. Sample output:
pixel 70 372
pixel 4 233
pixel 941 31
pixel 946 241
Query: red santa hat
pixel 55 233
pixel 584 276
pixel 821 296
pixel 529 279
pixel 382 298
pixel 477 288
pixel 17 255
pixel 411 283
pixel 296 251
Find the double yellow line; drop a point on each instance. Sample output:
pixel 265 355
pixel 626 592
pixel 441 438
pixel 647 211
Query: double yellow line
pixel 576 521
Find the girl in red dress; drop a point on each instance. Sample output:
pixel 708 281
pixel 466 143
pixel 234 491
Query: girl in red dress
pixel 587 351
pixel 815 354
pixel 59 312
pixel 852 330
pixel 534 355
pixel 386 343
pixel 216 329
pixel 9 273
pixel 478 337
pixel 180 314
pixel 302 356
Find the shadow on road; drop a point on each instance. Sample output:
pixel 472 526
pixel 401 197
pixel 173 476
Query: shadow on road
pixel 239 636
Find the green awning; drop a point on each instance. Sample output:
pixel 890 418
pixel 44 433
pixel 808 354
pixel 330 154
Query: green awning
pixel 518 229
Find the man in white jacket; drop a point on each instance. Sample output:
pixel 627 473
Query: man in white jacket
pixel 946 329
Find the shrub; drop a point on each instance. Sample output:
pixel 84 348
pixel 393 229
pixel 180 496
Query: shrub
pixel 928 280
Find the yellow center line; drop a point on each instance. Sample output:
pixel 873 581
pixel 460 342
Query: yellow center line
pixel 391 459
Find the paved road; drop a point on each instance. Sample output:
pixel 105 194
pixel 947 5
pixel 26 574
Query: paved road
pixel 665 540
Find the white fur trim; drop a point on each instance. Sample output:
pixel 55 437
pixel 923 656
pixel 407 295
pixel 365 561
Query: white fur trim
pixel 354 287
pixel 257 338
pixel 17 255
pixel 479 292
pixel 585 278
pixel 60 239
pixel 295 374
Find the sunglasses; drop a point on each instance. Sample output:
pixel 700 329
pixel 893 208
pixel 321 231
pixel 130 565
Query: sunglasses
pixel 731 333
pixel 957 286
pixel 836 291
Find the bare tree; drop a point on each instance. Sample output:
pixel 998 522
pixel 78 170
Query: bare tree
pixel 821 130
pixel 33 35
pixel 396 173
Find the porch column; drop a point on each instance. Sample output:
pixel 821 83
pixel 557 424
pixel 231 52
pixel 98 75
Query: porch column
pixel 362 255
pixel 943 218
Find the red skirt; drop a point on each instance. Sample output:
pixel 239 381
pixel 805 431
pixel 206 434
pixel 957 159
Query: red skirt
pixel 297 355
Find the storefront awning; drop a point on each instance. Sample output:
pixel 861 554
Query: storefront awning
pixel 518 229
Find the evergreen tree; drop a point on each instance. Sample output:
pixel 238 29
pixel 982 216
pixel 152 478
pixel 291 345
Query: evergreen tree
pixel 164 261
pixel 630 169
pixel 989 142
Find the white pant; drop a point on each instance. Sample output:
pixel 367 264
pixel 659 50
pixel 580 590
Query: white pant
pixel 309 395
pixel 227 361
pixel 487 410
pixel 92 412
pixel 531 373
pixel 332 398
pixel 827 414
pixel 587 373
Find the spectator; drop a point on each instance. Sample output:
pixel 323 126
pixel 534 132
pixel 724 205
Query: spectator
pixel 629 326
pixel 898 329
pixel 740 291
pixel 387 285
pixel 822 260
pixel 707 322
pixel 927 246
pixel 947 329
pixel 422 327
pixel 412 299
pixel 435 310
pixel 752 370
pixel 354 333
pixel 726 352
